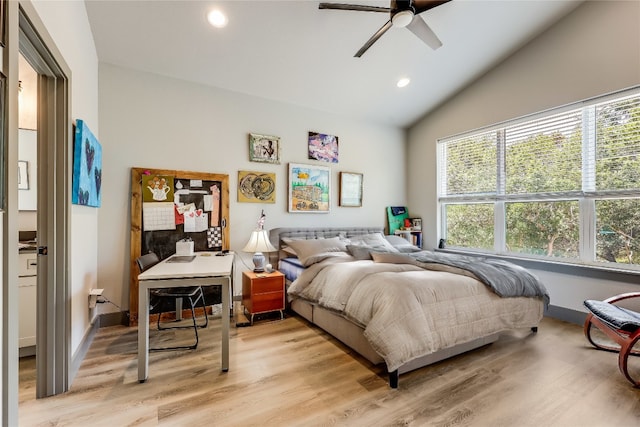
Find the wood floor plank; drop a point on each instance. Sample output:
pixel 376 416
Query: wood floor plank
pixel 289 373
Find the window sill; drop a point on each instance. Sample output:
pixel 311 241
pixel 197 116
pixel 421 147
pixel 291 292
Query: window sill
pixel 583 270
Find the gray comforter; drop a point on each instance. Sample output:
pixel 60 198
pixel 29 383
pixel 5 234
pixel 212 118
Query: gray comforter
pixel 504 278
pixel 408 311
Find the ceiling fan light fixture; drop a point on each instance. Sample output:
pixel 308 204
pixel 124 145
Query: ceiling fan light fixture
pixel 217 18
pixel 402 18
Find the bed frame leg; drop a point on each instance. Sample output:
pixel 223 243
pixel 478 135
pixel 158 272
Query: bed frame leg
pixel 393 379
pixel 534 329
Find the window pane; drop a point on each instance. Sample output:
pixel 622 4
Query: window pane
pixel 470 165
pixel 618 145
pixel 470 226
pixel 618 231
pixel 544 168
pixel 544 155
pixel 543 228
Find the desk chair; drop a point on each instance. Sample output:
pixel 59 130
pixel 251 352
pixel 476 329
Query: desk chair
pixel 165 298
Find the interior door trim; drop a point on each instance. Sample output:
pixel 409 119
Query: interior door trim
pixel 53 336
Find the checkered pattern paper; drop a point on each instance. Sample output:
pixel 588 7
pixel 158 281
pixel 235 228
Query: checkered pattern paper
pixel 214 237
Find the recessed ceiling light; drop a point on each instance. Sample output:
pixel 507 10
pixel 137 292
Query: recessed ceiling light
pixel 403 82
pixel 217 18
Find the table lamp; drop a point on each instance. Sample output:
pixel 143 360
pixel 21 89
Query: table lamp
pixel 259 242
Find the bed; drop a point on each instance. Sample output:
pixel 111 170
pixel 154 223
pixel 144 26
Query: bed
pixel 397 305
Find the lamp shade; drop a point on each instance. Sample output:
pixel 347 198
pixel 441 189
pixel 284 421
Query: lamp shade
pixel 258 243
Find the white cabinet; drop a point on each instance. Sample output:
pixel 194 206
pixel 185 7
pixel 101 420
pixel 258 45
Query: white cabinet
pixel 27 281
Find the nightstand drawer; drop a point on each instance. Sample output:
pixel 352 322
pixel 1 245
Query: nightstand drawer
pixel 267 284
pixel 267 302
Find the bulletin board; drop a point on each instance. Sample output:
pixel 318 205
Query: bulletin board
pixel 171 205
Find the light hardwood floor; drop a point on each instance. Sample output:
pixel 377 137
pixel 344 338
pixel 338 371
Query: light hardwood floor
pixel 288 373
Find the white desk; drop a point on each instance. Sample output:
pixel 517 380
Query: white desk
pixel 206 269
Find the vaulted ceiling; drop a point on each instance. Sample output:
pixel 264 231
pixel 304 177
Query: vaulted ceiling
pixel 291 51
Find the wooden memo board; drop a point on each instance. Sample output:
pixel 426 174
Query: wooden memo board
pixel 157 189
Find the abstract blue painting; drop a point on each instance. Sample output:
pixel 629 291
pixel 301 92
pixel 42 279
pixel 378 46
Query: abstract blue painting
pixel 87 167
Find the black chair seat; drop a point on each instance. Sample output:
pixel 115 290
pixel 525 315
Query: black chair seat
pixel 190 291
pixel 615 316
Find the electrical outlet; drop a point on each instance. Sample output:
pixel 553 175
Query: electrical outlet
pixel 93 297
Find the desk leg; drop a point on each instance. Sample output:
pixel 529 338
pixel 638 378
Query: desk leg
pixel 233 281
pixel 178 309
pixel 143 332
pixel 225 324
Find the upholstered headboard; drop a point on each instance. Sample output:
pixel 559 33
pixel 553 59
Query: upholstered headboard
pixel 276 234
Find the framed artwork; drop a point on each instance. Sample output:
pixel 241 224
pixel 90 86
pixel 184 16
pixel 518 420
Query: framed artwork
pixel 157 188
pixel 256 187
pixel 264 148
pixel 350 189
pixel 309 187
pixel 323 147
pixel 87 167
pixel 23 175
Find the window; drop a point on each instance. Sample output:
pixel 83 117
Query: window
pixel 563 184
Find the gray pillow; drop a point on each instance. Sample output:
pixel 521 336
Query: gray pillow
pixel 372 240
pixel 312 251
pixel 402 244
pixel 408 249
pixel 361 252
pixel 397 240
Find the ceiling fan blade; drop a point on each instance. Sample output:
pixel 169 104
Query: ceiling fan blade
pixel 360 8
pixel 420 28
pixel 422 5
pixel 374 38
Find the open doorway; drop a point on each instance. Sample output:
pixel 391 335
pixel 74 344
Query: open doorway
pixel 27 207
pixel 52 140
pixel 27 226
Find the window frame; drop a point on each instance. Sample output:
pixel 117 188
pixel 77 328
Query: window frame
pixel 587 196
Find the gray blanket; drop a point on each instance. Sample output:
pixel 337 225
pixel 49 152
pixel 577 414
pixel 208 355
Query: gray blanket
pixel 504 278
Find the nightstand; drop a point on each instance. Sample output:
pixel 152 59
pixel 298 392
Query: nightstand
pixel 263 292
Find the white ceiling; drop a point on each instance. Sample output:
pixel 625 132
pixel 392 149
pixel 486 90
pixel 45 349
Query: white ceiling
pixel 293 52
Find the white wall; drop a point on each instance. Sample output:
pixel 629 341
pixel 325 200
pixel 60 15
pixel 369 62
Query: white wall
pixel 593 51
pixel 68 25
pixel 28 152
pixel 147 120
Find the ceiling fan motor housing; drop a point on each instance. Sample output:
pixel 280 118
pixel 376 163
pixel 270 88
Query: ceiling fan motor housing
pixel 402 13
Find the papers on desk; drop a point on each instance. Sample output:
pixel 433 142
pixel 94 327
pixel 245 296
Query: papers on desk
pixel 182 258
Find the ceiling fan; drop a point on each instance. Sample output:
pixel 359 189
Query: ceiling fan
pixel 403 13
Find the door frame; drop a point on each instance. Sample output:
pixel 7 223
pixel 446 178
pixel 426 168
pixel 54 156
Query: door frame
pixel 53 336
pixel 26 33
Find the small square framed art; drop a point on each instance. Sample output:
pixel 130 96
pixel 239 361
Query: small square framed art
pixel 264 148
